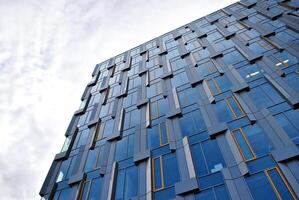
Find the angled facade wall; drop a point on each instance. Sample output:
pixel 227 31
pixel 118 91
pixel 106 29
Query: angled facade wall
pixel 206 111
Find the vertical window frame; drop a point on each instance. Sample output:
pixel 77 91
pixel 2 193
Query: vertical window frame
pixel 161 172
pixel 247 143
pixel 266 171
pixel 82 190
pixel 235 116
pixel 160 134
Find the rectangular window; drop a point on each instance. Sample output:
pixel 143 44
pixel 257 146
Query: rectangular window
pixel 234 107
pixel 270 184
pixel 191 123
pixel 159 108
pixel 158 178
pixel 243 144
pixel 228 109
pixel 283 59
pixel 265 96
pixel 91 189
pixel 165 171
pixel 207 157
pixel 126 183
pixel 279 184
pixel 158 136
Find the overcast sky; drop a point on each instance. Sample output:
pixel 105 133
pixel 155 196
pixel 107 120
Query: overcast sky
pixel 48 50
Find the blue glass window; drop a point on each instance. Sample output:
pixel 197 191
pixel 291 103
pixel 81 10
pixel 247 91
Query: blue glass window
pixel 157 136
pixel 207 157
pixel 251 72
pixel 165 171
pixel 251 141
pixel 159 108
pixel 270 184
pixel 219 84
pixel 265 96
pixel 179 79
pixel 192 123
pixel 127 183
pixel 188 96
pixel 124 148
pixel 290 123
pixel 228 109
pixel 205 68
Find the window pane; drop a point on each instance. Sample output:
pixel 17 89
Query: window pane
pixel 153 137
pixel 260 187
pixel 279 184
pixel 164 134
pixel 84 194
pixel 205 195
pixel 257 139
pixel 234 107
pixel 213 155
pixel 158 182
pixel 170 169
pixel 198 160
pixel 131 183
pixel 243 145
pixel 221 193
pixel 95 189
pixel 120 185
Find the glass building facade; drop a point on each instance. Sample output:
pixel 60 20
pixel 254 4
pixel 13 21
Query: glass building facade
pixel 206 111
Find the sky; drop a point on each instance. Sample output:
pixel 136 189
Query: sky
pixel 48 50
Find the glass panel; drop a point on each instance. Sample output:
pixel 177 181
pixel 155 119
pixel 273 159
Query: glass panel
pixel 213 155
pixel 221 193
pixel 205 195
pixel 164 134
pixel 280 184
pixel 198 160
pixel 257 139
pixel 131 182
pixel 84 194
pixel 153 137
pixel 170 169
pixel 121 149
pixel 260 187
pixel 66 144
pixel 158 176
pixel 243 145
pixel 235 107
pixel 95 189
pixel 120 185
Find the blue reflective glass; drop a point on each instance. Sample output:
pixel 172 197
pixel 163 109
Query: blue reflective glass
pixel 131 182
pixel 258 140
pixel 95 189
pixel 222 193
pixel 205 195
pixel 260 187
pixel 170 169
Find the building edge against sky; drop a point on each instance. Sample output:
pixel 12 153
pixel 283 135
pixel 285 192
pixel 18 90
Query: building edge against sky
pixel 206 111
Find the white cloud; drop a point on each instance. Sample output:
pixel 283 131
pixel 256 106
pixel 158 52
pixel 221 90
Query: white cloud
pixel 48 50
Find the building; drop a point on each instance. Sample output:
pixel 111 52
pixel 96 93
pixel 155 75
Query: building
pixel 206 111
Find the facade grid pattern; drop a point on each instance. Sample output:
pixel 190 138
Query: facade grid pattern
pixel 206 111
